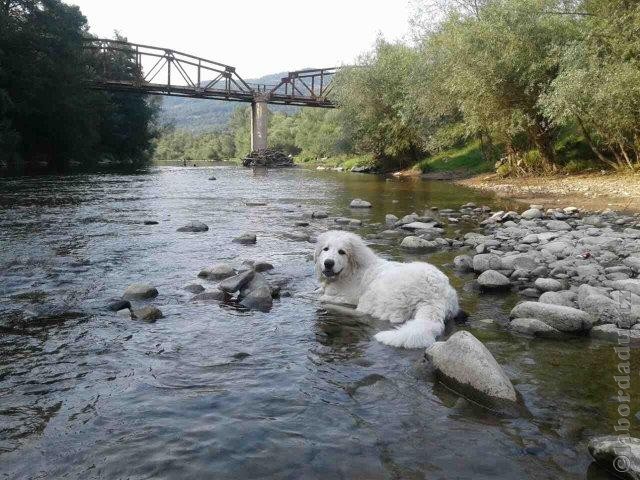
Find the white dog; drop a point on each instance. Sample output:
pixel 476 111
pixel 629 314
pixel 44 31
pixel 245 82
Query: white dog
pixel 416 296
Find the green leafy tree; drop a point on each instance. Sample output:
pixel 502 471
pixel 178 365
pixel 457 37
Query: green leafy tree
pixel 373 98
pixel 598 87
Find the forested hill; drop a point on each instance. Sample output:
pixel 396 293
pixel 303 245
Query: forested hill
pixel 199 115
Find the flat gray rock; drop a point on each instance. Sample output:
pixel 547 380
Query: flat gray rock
pixel 219 271
pixel 492 280
pixel 418 244
pixel 565 319
pixel 466 364
pixel 194 226
pixel 622 458
pixel 139 291
pixel 548 284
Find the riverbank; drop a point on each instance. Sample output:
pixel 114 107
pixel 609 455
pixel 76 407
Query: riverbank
pixel 587 191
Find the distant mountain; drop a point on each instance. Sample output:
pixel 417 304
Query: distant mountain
pixel 199 114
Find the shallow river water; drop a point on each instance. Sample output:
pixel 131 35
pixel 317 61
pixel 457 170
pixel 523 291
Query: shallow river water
pixel 210 391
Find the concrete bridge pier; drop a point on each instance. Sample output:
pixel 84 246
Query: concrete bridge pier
pixel 259 120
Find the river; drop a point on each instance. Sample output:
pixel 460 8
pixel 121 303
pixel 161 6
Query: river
pixel 210 391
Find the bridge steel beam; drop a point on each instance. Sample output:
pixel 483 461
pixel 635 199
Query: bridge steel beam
pixel 259 121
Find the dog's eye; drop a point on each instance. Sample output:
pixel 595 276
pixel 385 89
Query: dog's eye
pixel 326 249
pixel 341 252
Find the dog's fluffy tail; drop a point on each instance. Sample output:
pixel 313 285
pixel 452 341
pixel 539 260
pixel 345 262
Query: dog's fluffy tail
pixel 427 323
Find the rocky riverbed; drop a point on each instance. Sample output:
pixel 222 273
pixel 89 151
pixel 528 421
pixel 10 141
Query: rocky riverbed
pixel 180 378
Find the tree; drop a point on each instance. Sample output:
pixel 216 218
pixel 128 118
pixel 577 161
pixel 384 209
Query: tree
pixel 598 87
pixel 495 65
pixel 372 97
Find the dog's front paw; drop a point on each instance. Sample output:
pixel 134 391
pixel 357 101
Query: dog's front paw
pixel 404 339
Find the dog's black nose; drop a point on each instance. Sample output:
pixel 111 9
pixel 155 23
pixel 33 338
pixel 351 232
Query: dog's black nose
pixel 328 263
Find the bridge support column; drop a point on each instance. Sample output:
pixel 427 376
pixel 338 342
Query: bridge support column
pixel 259 119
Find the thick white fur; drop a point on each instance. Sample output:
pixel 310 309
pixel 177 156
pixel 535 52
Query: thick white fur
pixel 415 296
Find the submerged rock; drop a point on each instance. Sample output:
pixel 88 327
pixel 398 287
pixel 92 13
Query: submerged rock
pixel 246 239
pixel 620 455
pixel 194 288
pixel 213 295
pixel 194 226
pixel 533 327
pixel 147 314
pixel 139 291
pixel 466 364
pixel 358 203
pixel 611 333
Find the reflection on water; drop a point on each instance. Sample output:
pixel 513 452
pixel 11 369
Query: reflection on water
pixel 212 392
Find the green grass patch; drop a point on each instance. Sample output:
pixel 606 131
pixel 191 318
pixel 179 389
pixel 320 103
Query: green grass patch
pixel 467 158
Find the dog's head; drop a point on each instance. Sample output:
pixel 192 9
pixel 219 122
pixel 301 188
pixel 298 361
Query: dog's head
pixel 338 254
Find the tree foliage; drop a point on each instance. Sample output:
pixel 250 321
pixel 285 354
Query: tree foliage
pixel 47 115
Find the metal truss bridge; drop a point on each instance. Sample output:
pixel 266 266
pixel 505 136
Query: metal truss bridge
pixel 162 71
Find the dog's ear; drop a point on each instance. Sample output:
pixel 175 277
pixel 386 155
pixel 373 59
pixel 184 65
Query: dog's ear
pixel 354 254
pixel 319 243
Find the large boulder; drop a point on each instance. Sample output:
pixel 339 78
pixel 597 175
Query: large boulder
pixel 139 291
pixel 467 366
pixel 565 319
pixel 194 226
pixel 620 455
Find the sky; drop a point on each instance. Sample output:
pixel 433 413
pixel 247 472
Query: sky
pixel 257 37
